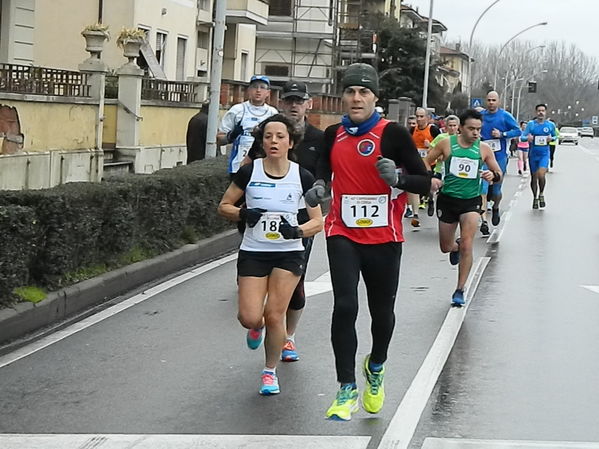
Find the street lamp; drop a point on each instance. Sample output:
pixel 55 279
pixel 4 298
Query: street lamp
pixel 510 40
pixel 427 62
pixel 505 84
pixel 470 50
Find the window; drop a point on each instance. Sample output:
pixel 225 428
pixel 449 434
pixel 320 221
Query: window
pixel 280 8
pixel 160 47
pixel 244 65
pixel 181 48
pixel 205 5
pixel 203 39
pixel 276 70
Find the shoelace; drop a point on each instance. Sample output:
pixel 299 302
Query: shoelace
pixel 374 380
pixel 289 346
pixel 255 334
pixel 268 379
pixel 344 395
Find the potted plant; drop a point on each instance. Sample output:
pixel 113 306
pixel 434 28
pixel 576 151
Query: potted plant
pixel 95 35
pixel 131 40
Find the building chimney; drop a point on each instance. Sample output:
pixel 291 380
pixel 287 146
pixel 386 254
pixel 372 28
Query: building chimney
pixel 458 46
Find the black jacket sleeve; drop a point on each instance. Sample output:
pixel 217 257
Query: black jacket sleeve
pixel 323 167
pixel 397 144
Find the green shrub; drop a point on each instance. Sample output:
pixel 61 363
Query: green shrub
pixel 68 233
pixel 19 231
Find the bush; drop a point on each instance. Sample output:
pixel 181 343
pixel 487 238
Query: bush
pixel 53 236
pixel 18 239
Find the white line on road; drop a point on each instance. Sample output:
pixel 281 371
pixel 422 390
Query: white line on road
pixel 593 288
pixel 455 443
pixel 405 420
pixel 113 441
pixel 111 311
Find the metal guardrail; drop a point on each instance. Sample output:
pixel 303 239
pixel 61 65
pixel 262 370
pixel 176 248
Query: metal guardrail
pixel 174 91
pixel 31 80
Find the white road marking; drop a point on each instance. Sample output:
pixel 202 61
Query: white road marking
pixel 454 443
pixel 111 311
pixel 401 429
pixel 110 441
pixel 593 288
pixel 318 286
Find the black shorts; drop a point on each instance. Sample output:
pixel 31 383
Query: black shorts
pixel 260 264
pixel 449 208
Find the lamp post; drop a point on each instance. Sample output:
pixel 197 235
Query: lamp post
pixel 427 62
pixel 470 50
pixel 510 40
pixel 505 84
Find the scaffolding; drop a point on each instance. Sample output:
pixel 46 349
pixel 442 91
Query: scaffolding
pixel 298 43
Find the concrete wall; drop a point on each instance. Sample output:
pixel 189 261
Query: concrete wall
pixel 179 21
pixel 164 125
pixel 48 124
pixel 58 25
pixel 239 39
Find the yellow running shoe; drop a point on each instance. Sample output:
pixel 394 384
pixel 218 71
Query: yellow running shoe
pixel 374 395
pixel 344 404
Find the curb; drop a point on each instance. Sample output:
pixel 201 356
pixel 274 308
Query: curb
pixel 24 318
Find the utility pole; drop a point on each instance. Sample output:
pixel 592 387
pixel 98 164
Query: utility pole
pixel 216 71
pixel 427 62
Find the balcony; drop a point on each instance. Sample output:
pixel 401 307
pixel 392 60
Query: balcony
pixel 253 12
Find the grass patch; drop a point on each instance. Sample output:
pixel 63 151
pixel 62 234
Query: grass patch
pixel 134 255
pixel 30 294
pixel 82 274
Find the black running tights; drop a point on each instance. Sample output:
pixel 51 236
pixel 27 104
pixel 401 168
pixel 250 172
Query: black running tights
pixel 379 265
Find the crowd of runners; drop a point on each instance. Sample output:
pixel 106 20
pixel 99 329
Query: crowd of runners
pixel 372 172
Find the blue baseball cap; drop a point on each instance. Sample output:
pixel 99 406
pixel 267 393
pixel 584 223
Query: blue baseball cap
pixel 261 78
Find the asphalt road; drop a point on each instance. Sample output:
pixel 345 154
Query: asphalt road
pixel 175 365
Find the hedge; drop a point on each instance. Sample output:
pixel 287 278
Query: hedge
pixel 49 234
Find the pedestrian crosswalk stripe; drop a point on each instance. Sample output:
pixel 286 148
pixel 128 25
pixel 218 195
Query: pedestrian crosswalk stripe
pixel 455 443
pixel 117 441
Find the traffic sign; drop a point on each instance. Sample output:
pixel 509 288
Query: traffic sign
pixel 595 120
pixel 476 103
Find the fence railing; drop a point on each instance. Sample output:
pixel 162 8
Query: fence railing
pixel 176 91
pixel 24 79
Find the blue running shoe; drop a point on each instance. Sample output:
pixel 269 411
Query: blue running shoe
pixel 254 338
pixel 454 256
pixel 270 383
pixel 458 298
pixel 289 353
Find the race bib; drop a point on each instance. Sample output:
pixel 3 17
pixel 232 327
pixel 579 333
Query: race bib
pixel 365 211
pixel 541 141
pixel 267 229
pixel 423 152
pixel 495 144
pixel 463 167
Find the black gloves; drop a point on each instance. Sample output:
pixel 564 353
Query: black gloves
pixel 288 231
pixel 234 133
pixel 315 195
pixel 251 216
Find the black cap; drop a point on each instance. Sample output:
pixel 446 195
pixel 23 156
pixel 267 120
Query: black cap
pixel 295 89
pixel 360 74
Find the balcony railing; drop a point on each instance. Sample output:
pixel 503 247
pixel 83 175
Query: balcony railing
pixel 174 91
pixel 24 79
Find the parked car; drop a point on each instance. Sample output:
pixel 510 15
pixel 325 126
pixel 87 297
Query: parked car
pixel 568 134
pixel 587 131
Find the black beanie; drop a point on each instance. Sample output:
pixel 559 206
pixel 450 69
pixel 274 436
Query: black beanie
pixel 360 74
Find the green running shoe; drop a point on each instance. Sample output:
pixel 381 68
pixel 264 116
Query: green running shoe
pixel 374 395
pixel 344 404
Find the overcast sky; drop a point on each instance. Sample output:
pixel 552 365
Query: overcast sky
pixel 573 21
